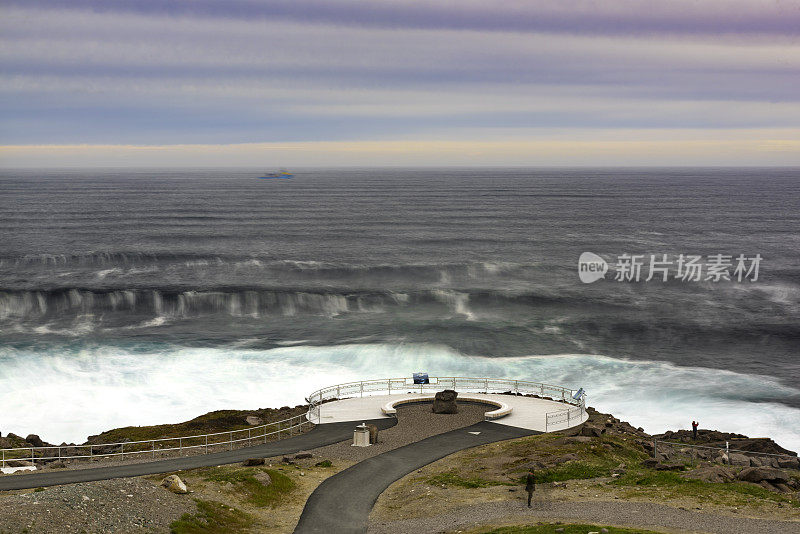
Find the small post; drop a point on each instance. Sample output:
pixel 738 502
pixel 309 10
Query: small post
pixel 59 451
pixel 248 437
pixel 231 442
pixel 206 443
pixel 4 458
pixel 154 448
pixel 91 450
pixel 123 451
pixel 655 447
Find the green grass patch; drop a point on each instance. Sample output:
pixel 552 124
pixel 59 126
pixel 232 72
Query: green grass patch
pixel 246 482
pixel 324 463
pixel 550 528
pixel 212 518
pixel 452 478
pixel 572 471
pixel 676 485
pixel 217 421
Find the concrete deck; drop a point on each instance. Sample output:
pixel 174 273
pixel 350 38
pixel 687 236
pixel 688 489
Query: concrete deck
pixel 527 412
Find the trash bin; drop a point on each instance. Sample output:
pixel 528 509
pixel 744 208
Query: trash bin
pixel 361 436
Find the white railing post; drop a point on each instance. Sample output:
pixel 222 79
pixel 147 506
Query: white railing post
pixel 231 442
pixel 154 448
pixel 206 443
pixel 180 445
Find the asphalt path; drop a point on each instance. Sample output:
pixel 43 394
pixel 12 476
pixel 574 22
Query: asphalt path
pixel 319 436
pixel 343 502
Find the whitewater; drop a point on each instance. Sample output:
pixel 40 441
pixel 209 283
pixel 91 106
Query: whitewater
pixel 153 296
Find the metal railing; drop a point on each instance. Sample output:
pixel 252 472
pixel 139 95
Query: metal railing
pixel 202 442
pixel 565 417
pixel 437 383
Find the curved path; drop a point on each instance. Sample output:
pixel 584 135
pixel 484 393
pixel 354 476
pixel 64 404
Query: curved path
pixel 342 503
pixel 319 436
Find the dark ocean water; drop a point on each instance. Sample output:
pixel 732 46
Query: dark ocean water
pixel 149 295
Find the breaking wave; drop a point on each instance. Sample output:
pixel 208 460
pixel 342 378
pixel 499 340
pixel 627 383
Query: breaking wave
pixel 98 387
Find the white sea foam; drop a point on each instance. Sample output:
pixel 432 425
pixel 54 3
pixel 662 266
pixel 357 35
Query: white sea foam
pixel 80 391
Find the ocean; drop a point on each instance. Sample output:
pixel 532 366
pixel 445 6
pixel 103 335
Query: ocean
pixel 132 297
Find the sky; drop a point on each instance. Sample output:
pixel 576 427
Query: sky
pixel 399 82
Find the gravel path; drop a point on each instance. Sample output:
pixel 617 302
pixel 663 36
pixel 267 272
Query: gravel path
pixel 122 505
pixel 653 516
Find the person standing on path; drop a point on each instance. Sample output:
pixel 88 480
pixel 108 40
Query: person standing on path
pixel 694 429
pixel 530 485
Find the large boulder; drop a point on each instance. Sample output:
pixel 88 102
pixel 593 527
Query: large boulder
pixel 714 473
pixel 445 402
pixel 174 484
pixel 763 474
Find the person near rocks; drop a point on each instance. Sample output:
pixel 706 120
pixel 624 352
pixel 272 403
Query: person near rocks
pixel 530 485
pixel 694 429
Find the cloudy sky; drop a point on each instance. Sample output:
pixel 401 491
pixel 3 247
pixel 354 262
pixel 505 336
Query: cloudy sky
pixel 394 82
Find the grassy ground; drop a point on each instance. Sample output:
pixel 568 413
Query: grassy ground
pixel 218 421
pixel 212 518
pixel 559 528
pixel 601 468
pixel 266 499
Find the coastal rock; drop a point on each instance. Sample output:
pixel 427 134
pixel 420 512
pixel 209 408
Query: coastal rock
pixel 592 431
pixel 759 474
pixel 736 458
pixel 253 420
pixel 445 402
pixel 303 456
pixel 174 484
pixel 788 463
pixel 714 473
pixel 18 463
pixel 35 440
pixel 253 461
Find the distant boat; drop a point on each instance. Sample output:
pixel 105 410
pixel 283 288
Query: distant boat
pixel 279 174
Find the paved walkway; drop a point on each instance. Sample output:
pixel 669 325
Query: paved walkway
pixel 644 515
pixel 342 503
pixel 527 412
pixel 319 436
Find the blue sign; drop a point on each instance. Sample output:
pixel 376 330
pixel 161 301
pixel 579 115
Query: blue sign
pixel 421 378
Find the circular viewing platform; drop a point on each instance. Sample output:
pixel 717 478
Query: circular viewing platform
pixel 518 403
